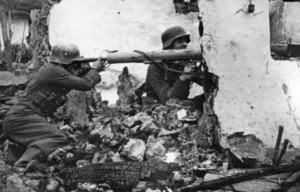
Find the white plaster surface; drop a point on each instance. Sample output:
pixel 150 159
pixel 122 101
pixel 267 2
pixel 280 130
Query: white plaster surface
pixel 256 94
pixel 251 96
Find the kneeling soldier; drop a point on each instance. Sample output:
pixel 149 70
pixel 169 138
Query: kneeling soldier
pixel 26 124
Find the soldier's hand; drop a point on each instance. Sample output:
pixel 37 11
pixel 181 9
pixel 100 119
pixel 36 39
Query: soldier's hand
pixel 84 69
pixel 188 72
pixel 98 65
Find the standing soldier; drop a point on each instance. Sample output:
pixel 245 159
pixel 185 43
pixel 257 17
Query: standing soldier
pixel 26 124
pixel 173 80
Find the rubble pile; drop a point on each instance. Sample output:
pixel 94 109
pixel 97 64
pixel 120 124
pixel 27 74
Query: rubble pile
pixel 120 148
pixel 113 137
pixel 10 89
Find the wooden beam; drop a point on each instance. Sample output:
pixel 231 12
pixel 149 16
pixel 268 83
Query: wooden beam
pixel 23 4
pixel 249 175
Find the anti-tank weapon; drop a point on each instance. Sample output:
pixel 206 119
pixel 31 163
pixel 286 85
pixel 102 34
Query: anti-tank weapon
pixel 114 57
pixel 156 57
pixel 208 80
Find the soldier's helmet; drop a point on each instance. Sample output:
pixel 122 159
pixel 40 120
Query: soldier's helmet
pixel 173 33
pixel 65 53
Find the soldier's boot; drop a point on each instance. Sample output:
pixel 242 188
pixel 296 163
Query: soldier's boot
pixel 13 152
pixel 32 153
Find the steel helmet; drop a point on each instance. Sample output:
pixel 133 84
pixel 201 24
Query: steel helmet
pixel 173 33
pixel 65 53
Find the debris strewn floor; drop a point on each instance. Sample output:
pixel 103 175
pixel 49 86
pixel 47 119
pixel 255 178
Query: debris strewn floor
pixel 122 149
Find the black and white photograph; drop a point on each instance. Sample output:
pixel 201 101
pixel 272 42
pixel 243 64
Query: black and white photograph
pixel 149 96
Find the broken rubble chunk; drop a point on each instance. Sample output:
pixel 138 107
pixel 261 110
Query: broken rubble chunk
pixel 134 150
pixel 115 157
pixel 168 141
pixel 129 122
pixel 99 158
pixel 135 129
pixel 103 134
pixel 141 186
pixel 69 155
pixel 177 176
pixel 165 132
pixel 155 148
pixel 52 185
pixel 139 118
pixel 88 186
pixel 190 153
pixel 143 117
pixel 9 82
pixel 57 155
pixel 96 130
pixel 248 149
pixel 211 176
pixel 209 131
pixel 149 127
pixel 173 156
pixel 66 128
pixel 82 163
pixel 34 184
pixel 181 114
pixel 90 147
pixel 35 175
pixel 14 183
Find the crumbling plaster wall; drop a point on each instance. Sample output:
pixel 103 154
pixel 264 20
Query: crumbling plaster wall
pixel 257 94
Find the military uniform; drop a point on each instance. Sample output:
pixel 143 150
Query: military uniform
pixel 164 85
pixel 26 124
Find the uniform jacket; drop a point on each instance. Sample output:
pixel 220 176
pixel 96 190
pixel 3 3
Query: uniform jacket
pixel 47 91
pixel 166 84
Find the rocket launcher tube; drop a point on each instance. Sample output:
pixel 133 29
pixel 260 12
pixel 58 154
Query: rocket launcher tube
pixel 157 56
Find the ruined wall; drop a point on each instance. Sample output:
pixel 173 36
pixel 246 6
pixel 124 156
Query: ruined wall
pixel 256 94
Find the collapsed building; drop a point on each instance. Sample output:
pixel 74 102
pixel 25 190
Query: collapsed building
pixel 256 96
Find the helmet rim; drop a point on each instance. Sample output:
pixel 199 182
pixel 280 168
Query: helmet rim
pixel 65 53
pixel 166 45
pixel 173 33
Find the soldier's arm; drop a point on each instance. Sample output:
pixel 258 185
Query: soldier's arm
pixel 198 80
pixel 156 79
pixel 62 77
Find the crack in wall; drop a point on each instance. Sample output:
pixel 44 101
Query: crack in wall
pixel 292 111
pixel 286 92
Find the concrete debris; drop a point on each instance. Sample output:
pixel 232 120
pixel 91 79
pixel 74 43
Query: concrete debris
pixel 154 148
pixel 247 149
pixel 134 150
pixel 116 157
pixel 124 139
pixel 53 185
pixel 15 183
